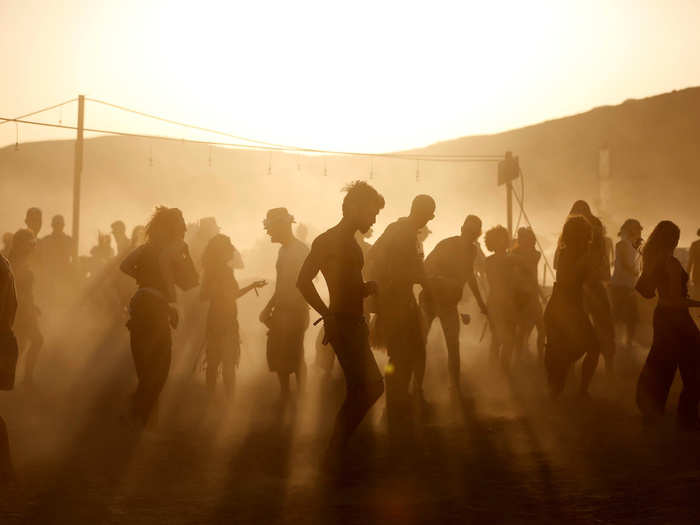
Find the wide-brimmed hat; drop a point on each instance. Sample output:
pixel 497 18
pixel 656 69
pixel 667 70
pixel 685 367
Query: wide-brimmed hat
pixel 278 216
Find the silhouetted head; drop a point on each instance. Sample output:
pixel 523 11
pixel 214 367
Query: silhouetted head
pixel 660 246
pixel 118 228
pixel 33 220
pixel 278 224
pixel 662 241
pixel 698 232
pixel 526 238
pixel 58 223
pixel 219 250
pixel 361 205
pixel 208 227
pixel 576 235
pixel 471 229
pixel 138 236
pixel 631 229
pixel 23 243
pixel 581 208
pixel 166 225
pixel 497 239
pixel 422 210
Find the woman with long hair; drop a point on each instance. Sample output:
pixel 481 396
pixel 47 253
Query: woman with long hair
pixel 676 343
pixel 220 288
pixel 158 265
pixel 570 334
pixel 595 295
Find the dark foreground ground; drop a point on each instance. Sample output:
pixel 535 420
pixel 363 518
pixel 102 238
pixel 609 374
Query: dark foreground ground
pixel 507 455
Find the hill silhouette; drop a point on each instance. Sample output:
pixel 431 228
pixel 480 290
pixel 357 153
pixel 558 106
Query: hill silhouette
pixel 653 144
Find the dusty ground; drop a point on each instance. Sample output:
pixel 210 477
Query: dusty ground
pixel 508 455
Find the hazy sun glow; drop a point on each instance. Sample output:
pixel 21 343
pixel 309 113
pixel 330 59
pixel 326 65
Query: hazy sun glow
pixel 363 75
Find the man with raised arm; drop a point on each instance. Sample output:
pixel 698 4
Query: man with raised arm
pixel 336 254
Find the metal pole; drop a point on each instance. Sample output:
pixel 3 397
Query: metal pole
pixel 509 206
pixel 77 172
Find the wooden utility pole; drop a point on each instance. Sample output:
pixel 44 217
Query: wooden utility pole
pixel 77 172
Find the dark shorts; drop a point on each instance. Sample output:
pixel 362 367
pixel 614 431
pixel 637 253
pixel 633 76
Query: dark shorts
pixel 223 345
pixel 355 356
pixel 285 339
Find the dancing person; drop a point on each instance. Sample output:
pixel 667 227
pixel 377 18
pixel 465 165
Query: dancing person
pixel 676 343
pixel 448 268
pixel 8 359
pixel 625 274
pixel 501 299
pixel 158 266
pixel 528 294
pixel 570 334
pixel 595 295
pixel 325 356
pixel 286 314
pixel 397 264
pixel 336 254
pixel 220 288
pixel 57 268
pixel 26 326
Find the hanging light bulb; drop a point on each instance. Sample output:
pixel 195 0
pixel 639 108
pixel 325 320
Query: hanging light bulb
pixel 269 163
pixel 418 171
pixel 325 168
pixel 16 136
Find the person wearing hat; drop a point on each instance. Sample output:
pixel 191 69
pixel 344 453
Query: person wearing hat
pixel 286 313
pixel 625 274
pixel 694 267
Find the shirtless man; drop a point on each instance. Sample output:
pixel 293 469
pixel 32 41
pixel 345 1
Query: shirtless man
pixel 338 257
pixel 397 265
pixel 449 267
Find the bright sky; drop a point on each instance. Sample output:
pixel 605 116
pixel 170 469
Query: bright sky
pixel 363 75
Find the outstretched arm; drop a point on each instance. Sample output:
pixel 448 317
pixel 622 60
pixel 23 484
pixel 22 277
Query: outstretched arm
pixel 252 286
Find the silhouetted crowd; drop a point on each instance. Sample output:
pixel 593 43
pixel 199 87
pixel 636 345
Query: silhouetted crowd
pixel 382 297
